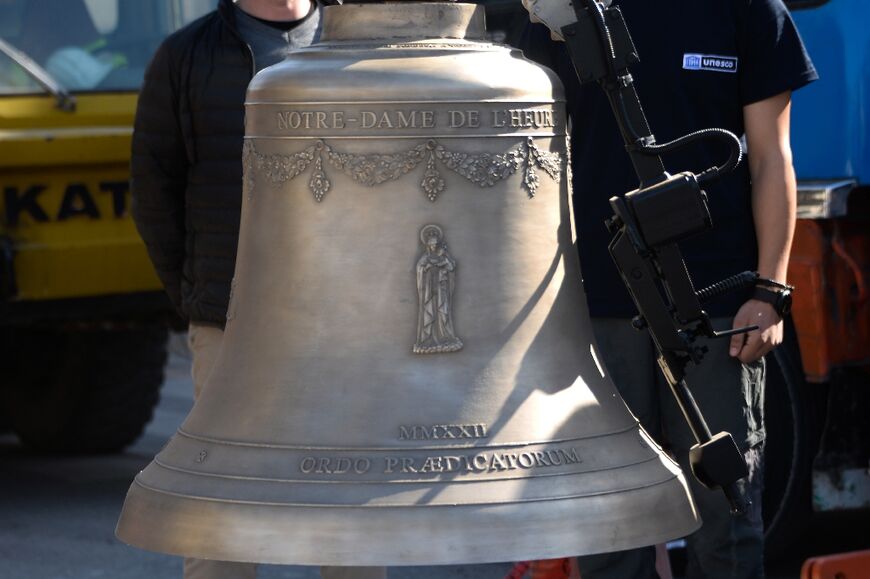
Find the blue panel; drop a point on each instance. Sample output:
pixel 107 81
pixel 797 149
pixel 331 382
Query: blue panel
pixel 830 130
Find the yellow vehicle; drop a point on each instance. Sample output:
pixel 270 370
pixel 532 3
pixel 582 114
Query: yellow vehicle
pixel 83 317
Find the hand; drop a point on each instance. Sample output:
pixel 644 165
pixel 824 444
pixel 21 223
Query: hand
pixel 752 346
pixel 554 14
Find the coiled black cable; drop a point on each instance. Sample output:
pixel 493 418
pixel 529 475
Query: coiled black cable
pixel 735 151
pixel 603 31
pixel 734 157
pixel 742 280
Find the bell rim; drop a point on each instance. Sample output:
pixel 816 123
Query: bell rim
pixel 389 535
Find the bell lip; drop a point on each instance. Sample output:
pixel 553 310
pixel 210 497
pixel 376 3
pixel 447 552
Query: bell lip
pixel 359 536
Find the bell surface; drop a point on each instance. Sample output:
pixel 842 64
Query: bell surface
pixel 408 374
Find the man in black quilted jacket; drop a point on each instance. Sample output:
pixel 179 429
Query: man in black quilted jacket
pixel 187 176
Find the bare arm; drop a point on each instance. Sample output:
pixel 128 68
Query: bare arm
pixel 774 201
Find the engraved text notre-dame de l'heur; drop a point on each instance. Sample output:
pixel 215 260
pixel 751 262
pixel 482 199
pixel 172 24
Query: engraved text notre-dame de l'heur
pixel 535 118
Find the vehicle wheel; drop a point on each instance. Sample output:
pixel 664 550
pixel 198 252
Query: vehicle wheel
pixel 82 391
pixel 792 419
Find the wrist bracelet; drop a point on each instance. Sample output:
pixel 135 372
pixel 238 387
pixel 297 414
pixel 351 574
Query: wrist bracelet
pixel 764 281
pixel 780 300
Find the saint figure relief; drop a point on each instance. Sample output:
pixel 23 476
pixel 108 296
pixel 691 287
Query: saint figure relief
pixel 436 277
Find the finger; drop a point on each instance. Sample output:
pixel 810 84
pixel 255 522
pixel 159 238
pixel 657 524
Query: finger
pixel 753 349
pixel 767 345
pixel 531 10
pixel 737 341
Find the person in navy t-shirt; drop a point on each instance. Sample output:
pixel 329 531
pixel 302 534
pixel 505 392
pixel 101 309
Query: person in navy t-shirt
pixel 703 63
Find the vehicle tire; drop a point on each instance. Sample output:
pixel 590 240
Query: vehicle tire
pixel 87 391
pixel 792 418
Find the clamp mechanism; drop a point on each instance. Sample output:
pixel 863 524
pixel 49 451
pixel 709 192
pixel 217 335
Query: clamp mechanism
pixel 649 222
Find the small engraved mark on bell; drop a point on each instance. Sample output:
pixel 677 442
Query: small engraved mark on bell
pixel 249 155
pixel 200 458
pixel 231 308
pixel 436 280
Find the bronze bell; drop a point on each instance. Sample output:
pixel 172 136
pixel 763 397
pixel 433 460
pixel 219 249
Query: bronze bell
pixel 408 375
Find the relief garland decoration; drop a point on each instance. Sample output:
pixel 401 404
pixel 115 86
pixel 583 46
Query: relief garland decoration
pixel 482 169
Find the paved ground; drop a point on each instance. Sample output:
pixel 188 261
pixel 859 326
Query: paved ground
pixel 57 515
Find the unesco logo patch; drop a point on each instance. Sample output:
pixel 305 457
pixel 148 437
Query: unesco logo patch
pixel 711 62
